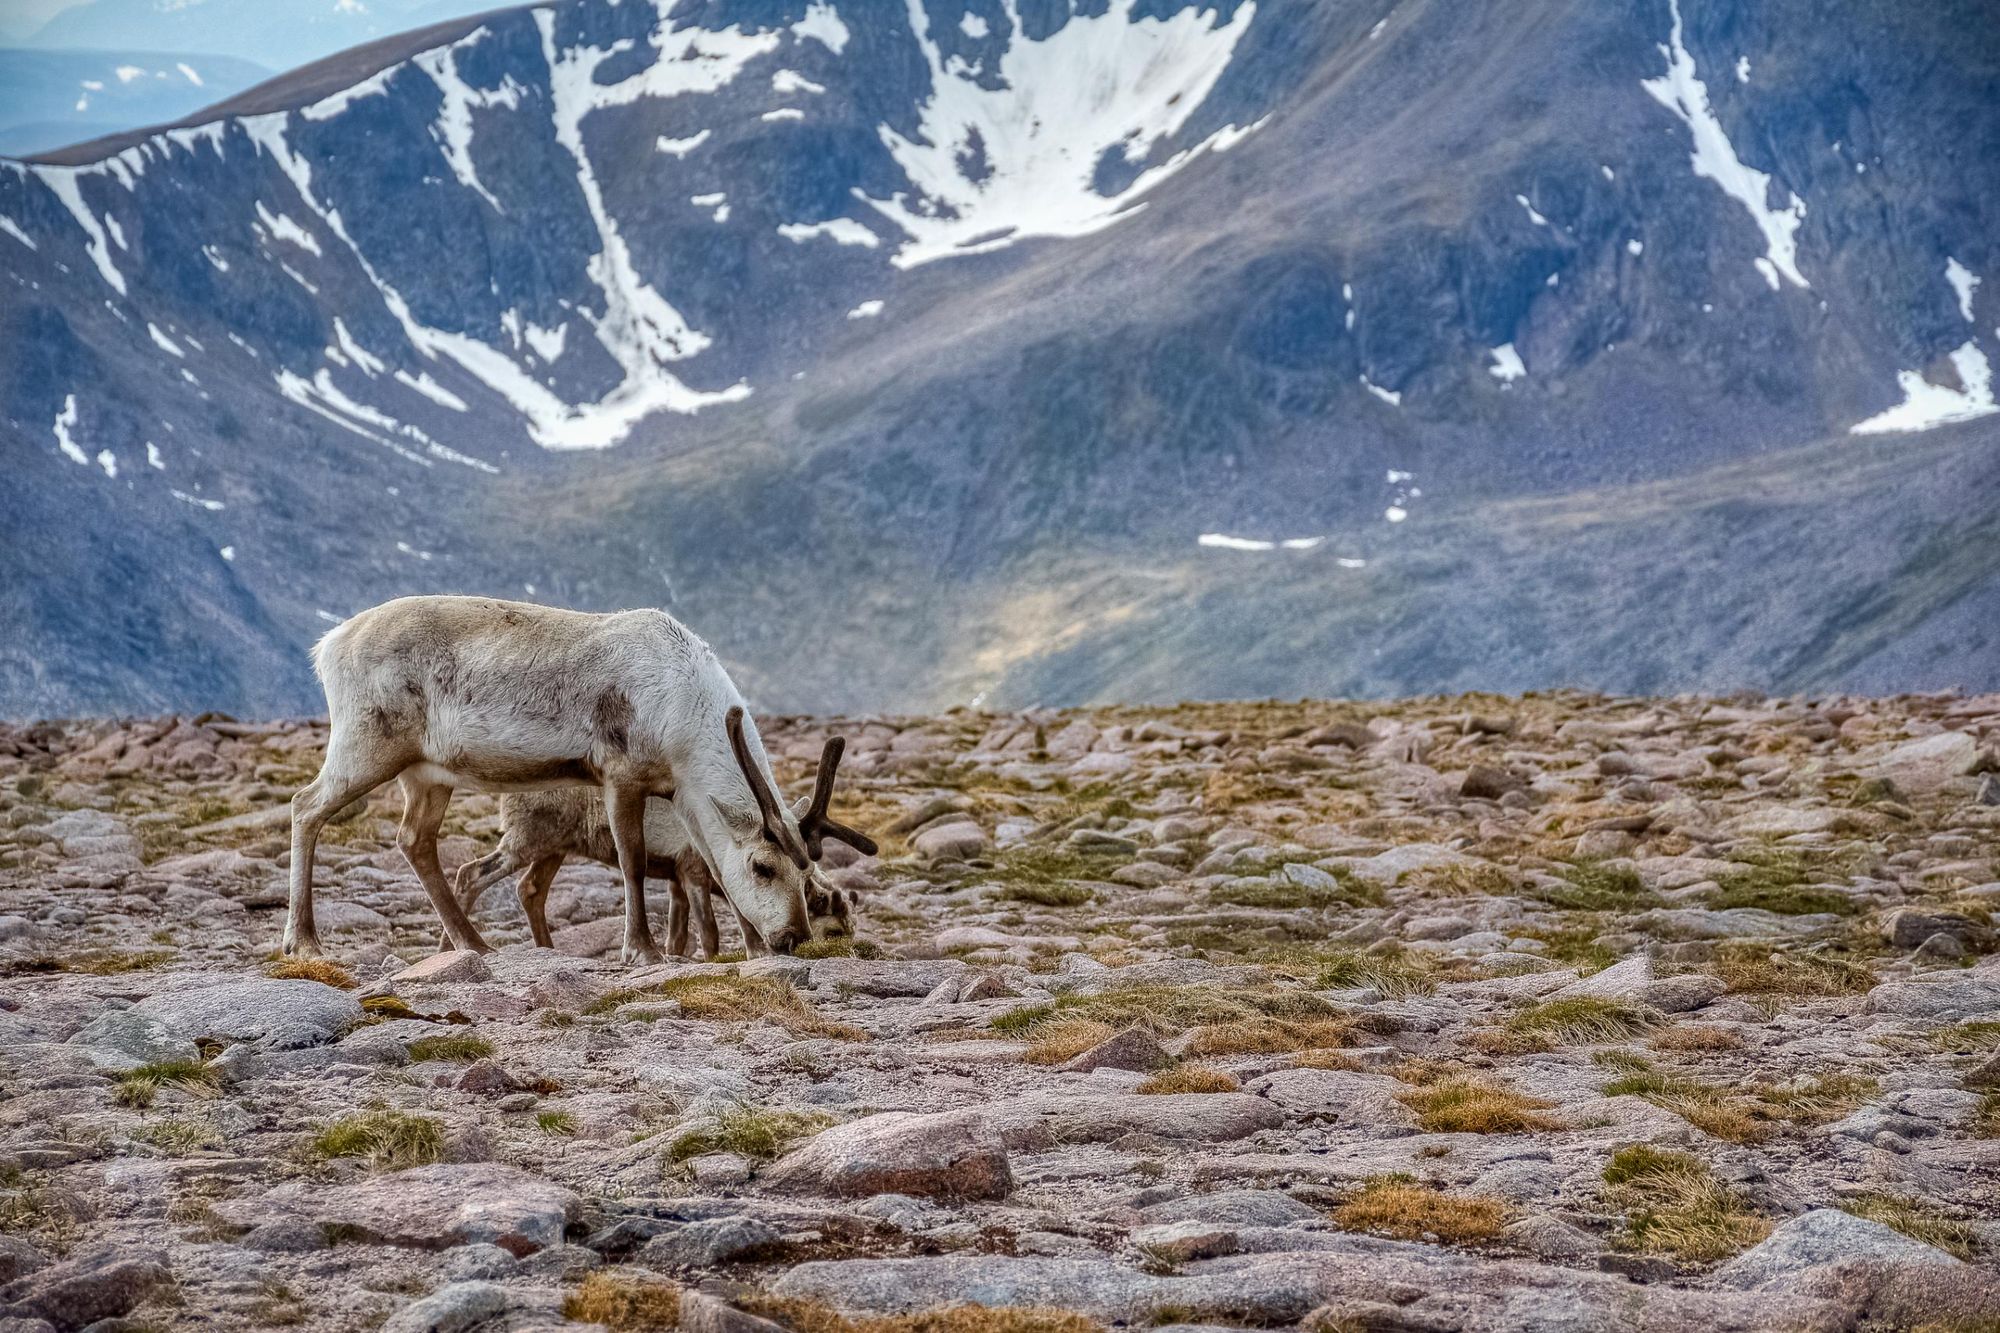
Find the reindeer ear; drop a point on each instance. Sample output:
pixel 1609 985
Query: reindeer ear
pixel 743 823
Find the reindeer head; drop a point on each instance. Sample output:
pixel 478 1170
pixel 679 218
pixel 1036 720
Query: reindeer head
pixel 768 871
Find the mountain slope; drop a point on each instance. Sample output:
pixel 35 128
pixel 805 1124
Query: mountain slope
pixel 925 353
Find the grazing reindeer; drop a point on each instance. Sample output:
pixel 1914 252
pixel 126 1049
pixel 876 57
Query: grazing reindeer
pixel 544 827
pixel 446 692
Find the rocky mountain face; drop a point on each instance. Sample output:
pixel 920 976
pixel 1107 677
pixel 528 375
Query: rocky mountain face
pixel 931 353
pixel 1490 1014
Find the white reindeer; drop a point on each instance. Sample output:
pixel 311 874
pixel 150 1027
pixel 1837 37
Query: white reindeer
pixel 543 828
pixel 446 692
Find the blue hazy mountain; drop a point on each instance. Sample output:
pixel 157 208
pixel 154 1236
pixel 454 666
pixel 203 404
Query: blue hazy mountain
pixel 923 352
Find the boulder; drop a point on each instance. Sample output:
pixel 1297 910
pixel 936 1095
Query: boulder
pixel 1926 764
pixel 1821 1237
pixel 1365 1101
pixel 103 1283
pixel 1241 1208
pixel 452 965
pixel 1947 996
pixel 272 1014
pixel 957 841
pixel 954 1155
pixel 1045 1120
pixel 426 1207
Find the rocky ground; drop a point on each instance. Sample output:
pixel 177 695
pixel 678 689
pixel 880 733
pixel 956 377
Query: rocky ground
pixel 1550 1012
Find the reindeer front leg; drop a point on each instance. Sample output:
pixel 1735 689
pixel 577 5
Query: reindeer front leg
pixel 625 809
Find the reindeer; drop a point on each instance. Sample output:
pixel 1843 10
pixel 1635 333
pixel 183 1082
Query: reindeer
pixel 447 692
pixel 543 828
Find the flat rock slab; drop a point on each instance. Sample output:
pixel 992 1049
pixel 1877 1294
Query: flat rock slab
pixel 274 1015
pixel 956 1155
pixel 1049 1119
pixel 884 978
pixel 1951 996
pixel 1366 1101
pixel 426 1207
pixel 1421 1287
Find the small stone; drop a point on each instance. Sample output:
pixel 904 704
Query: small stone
pixel 956 841
pixel 718 1170
pixel 18 1259
pixel 1181 1242
pixel 1484 782
pixel 488 1078
pixel 1135 1048
pixel 455 965
pixel 703 1313
pixel 285 1235
pixel 954 1155
pixel 707 1243
pixel 104 1283
pixel 450 1309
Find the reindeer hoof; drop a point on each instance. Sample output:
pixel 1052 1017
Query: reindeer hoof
pixel 642 951
pixel 307 946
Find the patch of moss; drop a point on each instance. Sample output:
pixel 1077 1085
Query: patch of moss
pixel 1581 1019
pixel 1595 886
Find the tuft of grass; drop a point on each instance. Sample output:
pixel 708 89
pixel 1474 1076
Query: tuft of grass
pixel 1047 875
pixel 1581 1020
pixel 178 1138
pixel 1696 1037
pixel 1748 969
pixel 312 969
pixel 746 999
pixel 1395 972
pixel 1974 1038
pixel 624 1302
pixel 1276 891
pixel 1327 1060
pixel 1400 1207
pixel 1268 1036
pixel 136 1088
pixel 1463 879
pixel 462 1049
pixel 390 1140
pixel 1711 1109
pixel 1188 1078
pixel 559 1123
pixel 1675 1206
pixel 104 962
pixel 1579 942
pixel 748 1131
pixel 1468 1106
pixel 1985 1122
pixel 1918 1220
pixel 805 1316
pixel 1785 900
pixel 1595 886
pixel 1062 1039
pixel 1816 1100
pixel 840 946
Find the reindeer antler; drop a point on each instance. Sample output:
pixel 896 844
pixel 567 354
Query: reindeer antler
pixel 814 822
pixel 767 800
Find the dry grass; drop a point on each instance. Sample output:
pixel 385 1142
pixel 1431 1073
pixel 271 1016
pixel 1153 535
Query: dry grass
pixel 1468 1106
pixel 1268 1036
pixel 1064 1039
pixel 1327 1060
pixel 1696 1037
pixel 747 1131
pixel 1394 972
pixel 1713 1110
pixel 1580 1020
pixel 805 1316
pixel 1975 1038
pixel 1675 1206
pixel 1171 1009
pixel 321 970
pixel 1986 1120
pixel 1400 1207
pixel 624 1301
pixel 1754 970
pixel 737 999
pixel 102 962
pixel 1189 1078
pixel 390 1140
pixel 1919 1221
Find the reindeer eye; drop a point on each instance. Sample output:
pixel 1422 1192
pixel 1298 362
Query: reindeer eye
pixel 763 870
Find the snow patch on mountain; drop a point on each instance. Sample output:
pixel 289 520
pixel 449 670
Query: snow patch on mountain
pixel 1926 405
pixel 1681 91
pixel 1964 282
pixel 453 130
pixel 1507 365
pixel 65 422
pixel 845 231
pixel 1011 149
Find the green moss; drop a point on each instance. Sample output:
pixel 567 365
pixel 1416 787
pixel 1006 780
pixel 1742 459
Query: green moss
pixel 1595 886
pixel 1393 972
pixel 560 1123
pixel 1675 1206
